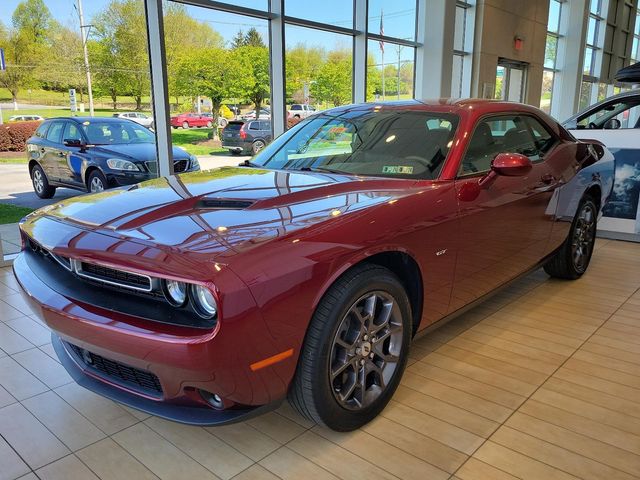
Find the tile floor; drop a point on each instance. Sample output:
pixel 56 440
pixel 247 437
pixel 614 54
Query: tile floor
pixel 540 382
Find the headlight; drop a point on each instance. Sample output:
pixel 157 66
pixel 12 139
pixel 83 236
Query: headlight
pixel 204 301
pixel 194 162
pixel 119 164
pixel 175 292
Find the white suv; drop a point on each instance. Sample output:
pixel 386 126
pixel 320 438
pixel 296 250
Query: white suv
pixel 140 118
pixel 300 110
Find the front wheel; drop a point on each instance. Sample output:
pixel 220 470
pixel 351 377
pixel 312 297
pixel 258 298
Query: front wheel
pixel 97 182
pixel 573 258
pixel 185 125
pixel 41 183
pixel 355 350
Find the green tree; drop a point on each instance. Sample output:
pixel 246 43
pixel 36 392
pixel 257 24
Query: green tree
pixel 333 82
pixel 303 64
pixel 121 32
pixel 250 39
pixel 26 44
pixel 252 74
pixel 183 33
pixel 204 71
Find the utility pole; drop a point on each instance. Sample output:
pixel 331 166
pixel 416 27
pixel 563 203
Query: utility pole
pixel 86 55
pixel 399 48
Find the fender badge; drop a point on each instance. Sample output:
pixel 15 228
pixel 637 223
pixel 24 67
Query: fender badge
pixel 441 252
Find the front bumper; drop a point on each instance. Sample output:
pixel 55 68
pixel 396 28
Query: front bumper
pixel 121 179
pixel 185 360
pixel 191 415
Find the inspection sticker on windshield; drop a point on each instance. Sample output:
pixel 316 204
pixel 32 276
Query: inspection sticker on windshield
pixel 397 169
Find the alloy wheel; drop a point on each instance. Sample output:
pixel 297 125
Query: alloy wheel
pixel 96 185
pixel 38 181
pixel 366 350
pixel 583 237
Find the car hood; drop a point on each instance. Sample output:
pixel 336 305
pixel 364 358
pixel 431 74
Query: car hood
pixel 227 209
pixel 140 152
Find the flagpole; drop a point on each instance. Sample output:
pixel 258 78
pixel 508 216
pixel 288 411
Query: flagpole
pixel 383 91
pixel 382 51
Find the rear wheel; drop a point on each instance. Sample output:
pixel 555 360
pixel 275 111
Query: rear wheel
pixel 185 125
pixel 41 183
pixel 256 147
pixel 355 350
pixel 97 182
pixel 572 260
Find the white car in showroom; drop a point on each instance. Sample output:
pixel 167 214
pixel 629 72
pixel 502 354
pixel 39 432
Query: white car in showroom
pixel 615 121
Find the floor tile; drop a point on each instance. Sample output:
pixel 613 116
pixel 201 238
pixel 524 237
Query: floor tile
pixel 18 381
pixel 43 367
pixel 34 443
pixel 11 465
pixel 67 468
pixel 65 422
pixel 110 461
pixel 159 455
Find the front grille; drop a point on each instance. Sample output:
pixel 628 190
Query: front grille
pixel 114 277
pixel 140 380
pixel 180 166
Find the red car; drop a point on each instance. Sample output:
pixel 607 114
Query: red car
pixel 188 120
pixel 208 297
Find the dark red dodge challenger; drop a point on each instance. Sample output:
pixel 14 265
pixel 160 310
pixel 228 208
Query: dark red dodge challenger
pixel 208 297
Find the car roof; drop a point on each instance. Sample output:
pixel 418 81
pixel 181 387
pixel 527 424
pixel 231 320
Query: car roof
pixel 451 105
pixel 89 119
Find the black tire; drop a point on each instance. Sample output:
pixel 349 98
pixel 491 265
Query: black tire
pixel 40 183
pixel 572 259
pixel 96 178
pixel 257 146
pixel 315 389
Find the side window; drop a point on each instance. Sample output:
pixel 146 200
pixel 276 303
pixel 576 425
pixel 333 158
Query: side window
pixel 613 116
pixel 543 139
pixel 254 126
pixel 42 130
pixel 71 132
pixel 55 131
pixel 494 135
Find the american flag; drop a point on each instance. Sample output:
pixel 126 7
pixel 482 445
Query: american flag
pixel 381 32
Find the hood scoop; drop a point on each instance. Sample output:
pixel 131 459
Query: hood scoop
pixel 223 204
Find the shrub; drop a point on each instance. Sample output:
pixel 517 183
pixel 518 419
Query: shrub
pixel 14 136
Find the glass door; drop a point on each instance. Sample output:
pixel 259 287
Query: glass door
pixel 511 80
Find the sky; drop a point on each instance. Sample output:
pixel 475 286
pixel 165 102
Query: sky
pixel 398 18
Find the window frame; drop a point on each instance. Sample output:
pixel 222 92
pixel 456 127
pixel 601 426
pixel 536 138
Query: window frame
pixel 483 118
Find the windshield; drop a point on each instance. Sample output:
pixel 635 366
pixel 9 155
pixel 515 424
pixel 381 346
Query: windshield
pixel 394 144
pixel 116 133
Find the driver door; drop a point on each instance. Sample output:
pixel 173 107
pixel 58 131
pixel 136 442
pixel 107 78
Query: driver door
pixel 504 226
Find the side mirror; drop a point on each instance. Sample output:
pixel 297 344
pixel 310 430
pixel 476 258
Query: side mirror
pixel 507 165
pixel 612 124
pixel 511 165
pixel 73 142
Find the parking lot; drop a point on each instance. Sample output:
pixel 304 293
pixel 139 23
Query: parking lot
pixel 16 188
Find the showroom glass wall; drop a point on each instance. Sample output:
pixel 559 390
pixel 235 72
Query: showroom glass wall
pixel 591 90
pixel 463 49
pixel 325 55
pixel 551 53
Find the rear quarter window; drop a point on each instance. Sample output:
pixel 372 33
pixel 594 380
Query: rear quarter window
pixel 42 130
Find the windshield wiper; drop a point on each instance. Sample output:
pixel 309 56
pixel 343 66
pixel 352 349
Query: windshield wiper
pixel 324 170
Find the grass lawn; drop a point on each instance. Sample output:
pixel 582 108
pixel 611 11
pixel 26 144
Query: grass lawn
pixel 196 141
pixel 13 157
pixel 11 213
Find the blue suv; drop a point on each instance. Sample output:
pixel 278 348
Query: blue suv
pixel 95 153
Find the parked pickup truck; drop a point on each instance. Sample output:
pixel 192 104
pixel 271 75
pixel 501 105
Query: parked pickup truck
pixel 299 110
